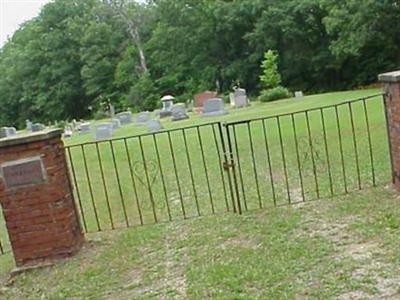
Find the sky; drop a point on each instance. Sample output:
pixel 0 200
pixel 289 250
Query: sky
pixel 14 12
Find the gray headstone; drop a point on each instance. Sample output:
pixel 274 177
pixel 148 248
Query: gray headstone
pixel 179 112
pixel 116 123
pixel 7 131
pixel 103 131
pixel 214 107
pixel 142 117
pixel 154 125
pixel 37 127
pixel 165 113
pixel 298 94
pixel 84 128
pixel 239 98
pixel 124 117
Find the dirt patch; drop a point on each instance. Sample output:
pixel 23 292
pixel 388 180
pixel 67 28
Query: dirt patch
pixel 162 279
pixel 239 241
pixel 364 254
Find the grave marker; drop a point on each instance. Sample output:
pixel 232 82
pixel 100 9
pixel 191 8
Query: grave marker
pixel 239 98
pixel 179 112
pixel 154 125
pixel 124 117
pixel 214 107
pixel 201 98
pixel 103 131
pixel 142 117
pixel 7 131
pixel 84 128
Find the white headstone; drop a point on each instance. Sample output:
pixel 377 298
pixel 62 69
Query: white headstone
pixel 28 125
pixel 298 94
pixel 240 98
pixel 68 131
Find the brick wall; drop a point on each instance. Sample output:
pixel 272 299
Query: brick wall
pixel 391 88
pixel 41 218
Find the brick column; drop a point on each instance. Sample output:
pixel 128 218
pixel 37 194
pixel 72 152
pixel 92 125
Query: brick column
pixel 36 197
pixel 391 87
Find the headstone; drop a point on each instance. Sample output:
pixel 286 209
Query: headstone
pixel 154 125
pixel 84 127
pixel 124 117
pixel 37 127
pixel 298 94
pixel 28 125
pixel 167 103
pixel 214 107
pixel 103 131
pixel 201 98
pixel 189 105
pixel 68 131
pixel 142 117
pixel 112 110
pixel 75 125
pixel 239 98
pixel 116 123
pixel 179 112
pixel 7 131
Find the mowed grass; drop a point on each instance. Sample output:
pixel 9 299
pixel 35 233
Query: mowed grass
pixel 177 174
pixel 344 248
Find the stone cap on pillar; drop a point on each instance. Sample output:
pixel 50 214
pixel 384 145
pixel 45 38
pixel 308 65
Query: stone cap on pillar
pixel 390 77
pixel 26 138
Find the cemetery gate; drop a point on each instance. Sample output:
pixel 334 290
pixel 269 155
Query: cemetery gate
pixel 237 166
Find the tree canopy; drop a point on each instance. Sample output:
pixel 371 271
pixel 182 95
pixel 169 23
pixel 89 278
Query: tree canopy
pixel 79 54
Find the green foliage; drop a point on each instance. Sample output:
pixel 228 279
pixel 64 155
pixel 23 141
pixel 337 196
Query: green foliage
pixel 143 95
pixel 270 77
pixel 275 93
pixel 80 53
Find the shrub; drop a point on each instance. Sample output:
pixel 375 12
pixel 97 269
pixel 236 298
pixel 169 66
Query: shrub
pixel 276 93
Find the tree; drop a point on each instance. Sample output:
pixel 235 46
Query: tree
pixel 270 77
pixel 133 16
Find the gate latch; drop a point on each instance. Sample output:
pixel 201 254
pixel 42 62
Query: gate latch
pixel 227 165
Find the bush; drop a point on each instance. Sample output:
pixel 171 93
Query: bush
pixel 276 93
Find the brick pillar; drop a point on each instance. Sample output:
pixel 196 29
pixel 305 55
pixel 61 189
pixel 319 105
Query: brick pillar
pixel 391 87
pixel 36 197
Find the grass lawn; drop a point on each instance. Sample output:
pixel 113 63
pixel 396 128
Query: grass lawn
pixel 301 251
pixel 344 248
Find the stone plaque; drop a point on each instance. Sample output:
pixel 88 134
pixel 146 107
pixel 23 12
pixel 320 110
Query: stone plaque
pixel 23 172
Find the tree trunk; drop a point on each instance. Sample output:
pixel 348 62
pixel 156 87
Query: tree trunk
pixel 133 30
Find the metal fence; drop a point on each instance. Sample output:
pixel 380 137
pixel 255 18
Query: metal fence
pixel 309 154
pixel 229 167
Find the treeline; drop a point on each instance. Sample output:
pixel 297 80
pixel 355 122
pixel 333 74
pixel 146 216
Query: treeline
pixel 78 55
